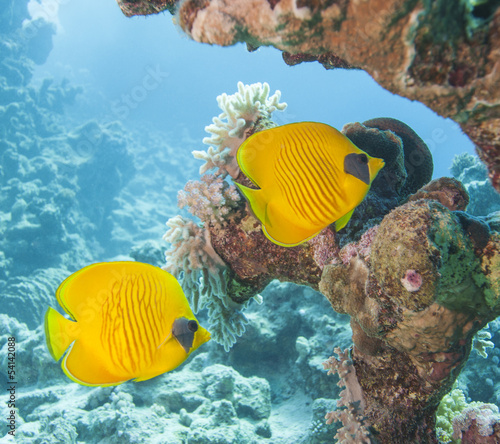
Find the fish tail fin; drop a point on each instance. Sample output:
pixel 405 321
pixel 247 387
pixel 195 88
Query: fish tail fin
pixel 257 201
pixel 59 333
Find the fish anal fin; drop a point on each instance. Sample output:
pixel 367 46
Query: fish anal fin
pixel 80 366
pixel 342 222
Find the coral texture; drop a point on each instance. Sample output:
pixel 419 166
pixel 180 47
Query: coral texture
pixel 353 430
pixel 445 56
pixel 477 424
pixel 473 175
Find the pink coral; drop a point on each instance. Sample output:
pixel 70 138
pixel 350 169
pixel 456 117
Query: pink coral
pixel 412 280
pixel 361 248
pixel 211 198
pixel 353 430
pixel 478 420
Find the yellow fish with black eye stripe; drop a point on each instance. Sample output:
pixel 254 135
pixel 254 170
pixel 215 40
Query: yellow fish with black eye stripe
pixel 129 321
pixel 309 176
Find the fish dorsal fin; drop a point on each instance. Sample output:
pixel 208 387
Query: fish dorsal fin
pixel 84 287
pixel 257 156
pixel 342 222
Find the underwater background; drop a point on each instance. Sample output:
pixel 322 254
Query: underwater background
pixel 99 114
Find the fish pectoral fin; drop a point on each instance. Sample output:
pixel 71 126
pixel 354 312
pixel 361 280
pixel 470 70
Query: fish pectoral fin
pixel 342 222
pixel 165 340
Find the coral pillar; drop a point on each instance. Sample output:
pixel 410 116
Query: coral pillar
pixel 416 299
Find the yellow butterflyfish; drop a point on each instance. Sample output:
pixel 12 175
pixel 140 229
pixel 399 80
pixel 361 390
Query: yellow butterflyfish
pixel 129 321
pixel 309 176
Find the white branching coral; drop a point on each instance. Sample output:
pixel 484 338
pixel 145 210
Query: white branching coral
pixel 203 276
pixel 240 112
pixel 210 199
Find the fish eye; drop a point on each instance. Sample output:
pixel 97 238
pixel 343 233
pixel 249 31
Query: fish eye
pixel 192 326
pixel 363 158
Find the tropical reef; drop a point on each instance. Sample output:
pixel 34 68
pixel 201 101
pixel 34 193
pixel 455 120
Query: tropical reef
pixel 422 321
pixel 442 54
pixel 416 273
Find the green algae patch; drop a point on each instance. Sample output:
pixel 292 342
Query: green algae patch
pixel 422 255
pixel 460 269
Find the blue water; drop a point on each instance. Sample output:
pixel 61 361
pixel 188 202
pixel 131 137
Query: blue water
pixel 96 134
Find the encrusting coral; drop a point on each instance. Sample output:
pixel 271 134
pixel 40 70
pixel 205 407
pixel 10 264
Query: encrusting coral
pixel 418 276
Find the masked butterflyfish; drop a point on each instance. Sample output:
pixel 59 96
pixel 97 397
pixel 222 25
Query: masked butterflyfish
pixel 308 174
pixel 129 321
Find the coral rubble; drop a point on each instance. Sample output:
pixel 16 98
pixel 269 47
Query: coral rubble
pixel 418 276
pixel 441 54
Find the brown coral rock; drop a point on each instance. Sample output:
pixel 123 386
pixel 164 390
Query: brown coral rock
pixel 255 260
pixel 426 237
pixel 415 306
pixel 141 7
pixel 447 191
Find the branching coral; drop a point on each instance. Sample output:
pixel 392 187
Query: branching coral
pixel 353 429
pixel 240 113
pixel 211 199
pixel 194 262
pixel 204 277
pixel 482 342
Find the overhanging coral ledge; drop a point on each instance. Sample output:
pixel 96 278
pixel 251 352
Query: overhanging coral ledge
pixel 445 54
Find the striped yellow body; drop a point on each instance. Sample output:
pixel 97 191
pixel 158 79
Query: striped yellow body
pixel 124 312
pixel 299 169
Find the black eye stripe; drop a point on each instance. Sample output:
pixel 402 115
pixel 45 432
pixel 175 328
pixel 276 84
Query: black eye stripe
pixel 192 326
pixel 362 158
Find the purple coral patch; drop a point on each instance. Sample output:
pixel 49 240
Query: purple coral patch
pixel 412 280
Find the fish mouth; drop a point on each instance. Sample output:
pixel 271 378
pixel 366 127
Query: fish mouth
pixel 376 164
pixel 379 164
